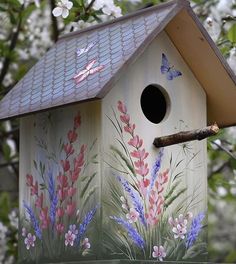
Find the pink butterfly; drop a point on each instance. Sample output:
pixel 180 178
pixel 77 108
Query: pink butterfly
pixel 87 71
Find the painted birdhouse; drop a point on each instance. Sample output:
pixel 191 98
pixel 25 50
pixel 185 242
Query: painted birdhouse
pixel 92 184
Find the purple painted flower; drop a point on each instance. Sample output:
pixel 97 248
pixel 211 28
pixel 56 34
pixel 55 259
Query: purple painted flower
pixel 86 244
pixel 159 252
pixel 195 229
pixel 73 229
pixel 29 241
pixel 70 238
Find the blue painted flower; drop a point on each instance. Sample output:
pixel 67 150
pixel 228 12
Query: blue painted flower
pixel 195 229
pixel 138 206
pixel 132 232
pixel 53 198
pixel 33 220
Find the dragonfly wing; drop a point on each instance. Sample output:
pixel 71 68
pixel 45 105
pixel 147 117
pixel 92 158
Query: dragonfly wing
pixel 165 66
pixel 81 77
pixel 96 69
pixel 90 65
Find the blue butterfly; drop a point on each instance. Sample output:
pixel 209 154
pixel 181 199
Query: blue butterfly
pixel 170 72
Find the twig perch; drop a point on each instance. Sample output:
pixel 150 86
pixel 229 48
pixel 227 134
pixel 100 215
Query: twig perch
pixel 184 136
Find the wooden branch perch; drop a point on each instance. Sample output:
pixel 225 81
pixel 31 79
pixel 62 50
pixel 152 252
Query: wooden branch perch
pixel 185 136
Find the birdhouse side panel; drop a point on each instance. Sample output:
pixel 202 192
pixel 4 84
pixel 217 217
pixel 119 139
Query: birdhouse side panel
pixel 60 185
pixel 155 198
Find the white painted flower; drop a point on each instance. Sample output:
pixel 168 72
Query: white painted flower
pixel 29 241
pixel 179 231
pixel 132 216
pixel 159 253
pixel 70 238
pixel 62 8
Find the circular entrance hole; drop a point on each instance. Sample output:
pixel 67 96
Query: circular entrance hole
pixel 154 103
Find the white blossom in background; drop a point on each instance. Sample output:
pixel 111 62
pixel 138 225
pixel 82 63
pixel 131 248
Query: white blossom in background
pixel 108 7
pixel 14 220
pixel 62 8
pixel 3 242
pixel 213 28
pixel 27 2
pixel 232 59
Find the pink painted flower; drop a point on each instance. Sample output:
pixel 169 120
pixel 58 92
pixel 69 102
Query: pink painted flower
pixel 77 121
pixel 70 208
pixel 68 148
pixel 125 119
pixel 142 169
pixel 65 165
pixel 159 252
pixel 74 175
pixel 139 154
pixel 72 136
pixel 43 216
pixel 132 216
pixel 121 107
pixel 151 217
pixel 86 244
pixel 73 229
pixel 62 180
pixel 70 238
pixel 129 129
pixel 34 189
pixel 179 231
pixel 143 186
pixel 29 180
pixel 163 177
pixel 23 231
pixel 59 212
pixel 39 201
pixel 71 191
pixel 29 241
pixel 60 228
pixel 135 142
pixel 62 194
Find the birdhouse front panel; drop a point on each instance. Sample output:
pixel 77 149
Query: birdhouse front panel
pixel 155 199
pixel 60 185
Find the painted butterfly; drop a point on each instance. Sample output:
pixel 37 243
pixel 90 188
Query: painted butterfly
pixel 168 70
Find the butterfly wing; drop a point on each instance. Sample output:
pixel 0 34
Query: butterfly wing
pixel 172 73
pixel 165 66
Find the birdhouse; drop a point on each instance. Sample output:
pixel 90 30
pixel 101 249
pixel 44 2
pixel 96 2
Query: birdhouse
pixel 93 187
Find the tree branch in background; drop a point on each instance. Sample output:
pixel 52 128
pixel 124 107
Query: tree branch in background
pixel 14 38
pixel 89 6
pixel 224 149
pixel 55 31
pixel 185 136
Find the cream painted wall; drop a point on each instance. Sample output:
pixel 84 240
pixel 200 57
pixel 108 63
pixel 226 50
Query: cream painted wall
pixel 187 111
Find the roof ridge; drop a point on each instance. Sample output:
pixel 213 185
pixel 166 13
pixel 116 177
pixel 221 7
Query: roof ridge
pixel 181 3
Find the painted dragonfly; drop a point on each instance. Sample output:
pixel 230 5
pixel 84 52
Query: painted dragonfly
pixel 79 77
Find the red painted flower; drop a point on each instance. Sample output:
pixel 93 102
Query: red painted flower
pixel 29 180
pixel 71 191
pixel 68 148
pixel 60 228
pixel 34 189
pixel 62 194
pixel 43 216
pixel 72 136
pixel 39 201
pixel 60 212
pixel 77 121
pixel 65 165
pixel 125 119
pixel 62 180
pixel 70 208
pixel 129 129
pixel 143 186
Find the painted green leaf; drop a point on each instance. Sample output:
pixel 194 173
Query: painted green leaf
pixel 232 33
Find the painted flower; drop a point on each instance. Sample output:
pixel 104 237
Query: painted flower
pixel 179 231
pixel 129 129
pixel 68 148
pixel 65 165
pixel 71 191
pixel 60 228
pixel 39 201
pixel 70 208
pixel 73 229
pixel 72 136
pixel 34 189
pixel 29 180
pixel 135 142
pixel 62 8
pixel 43 216
pixel 132 216
pixel 159 252
pixel 86 244
pixel 77 121
pixel 121 107
pixel 124 203
pixel 62 180
pixel 29 240
pixel 23 231
pixel 69 238
pixel 143 186
pixel 60 212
